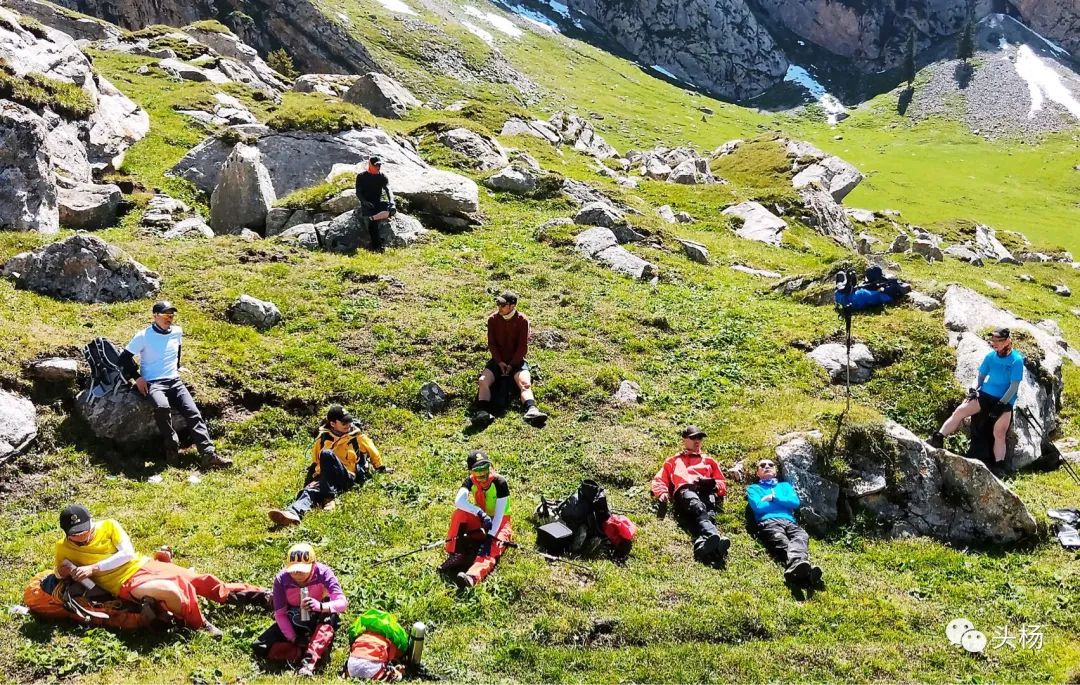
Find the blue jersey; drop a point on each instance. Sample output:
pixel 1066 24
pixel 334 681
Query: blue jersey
pixel 996 373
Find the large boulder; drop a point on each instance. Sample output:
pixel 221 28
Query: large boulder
pixel 18 424
pixel 123 416
pixel 989 247
pixel 513 179
pixel 224 110
pixel 822 213
pixel 83 268
pixel 599 244
pixel 442 198
pixel 692 172
pixel 333 85
pixel 250 311
pixel 964 254
pixel 968 315
pixel 88 206
pixel 381 95
pixel 832 174
pixel 857 367
pixel 818 495
pixel 599 214
pixel 536 129
pixel 758 223
pixel 579 134
pixel 244 193
pixel 349 232
pixel 484 154
pixel 28 194
pixel 116 124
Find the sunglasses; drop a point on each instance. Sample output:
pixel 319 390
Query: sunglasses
pixel 766 464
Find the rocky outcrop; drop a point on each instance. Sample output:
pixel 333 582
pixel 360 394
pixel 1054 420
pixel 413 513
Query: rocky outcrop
pixel 242 62
pixel 79 28
pixel 842 368
pixel 83 268
pixel 536 129
pixel 88 206
pixel 333 85
pixel 28 195
pixel 18 424
pixel 990 248
pixel 968 315
pixel 681 165
pixel 695 252
pixel 717 45
pixel 579 134
pixel 907 490
pixel 513 179
pixel 244 193
pixel 250 311
pixel 831 173
pixel 349 232
pixel 224 111
pixel 484 154
pixel 172 219
pixel 692 172
pixel 822 213
pixel 1058 20
pixel 758 223
pixel 123 416
pixel 381 95
pixel 599 244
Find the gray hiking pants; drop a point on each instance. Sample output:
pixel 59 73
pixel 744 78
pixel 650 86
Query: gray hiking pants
pixel 171 393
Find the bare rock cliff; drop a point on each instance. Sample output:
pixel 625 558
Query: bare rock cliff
pixel 1058 20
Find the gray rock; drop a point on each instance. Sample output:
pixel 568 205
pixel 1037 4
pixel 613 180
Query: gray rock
pixel 333 85
pixel 655 168
pixel 349 232
pixel 78 28
pixel 519 181
pixel 381 95
pixel 536 129
pixel 1051 327
pixel 832 174
pixel 822 213
pixel 696 252
pixel 18 424
pixel 599 244
pixel 183 70
pixel 628 394
pixel 819 496
pixel 755 272
pixel 543 230
pixel 123 416
pixel 923 302
pixel 901 243
pixel 189 228
pixel 433 398
pixel 599 214
pixel 989 247
pixel 1062 289
pixel 581 193
pixel 244 193
pixel 224 111
pixel 249 311
pixel 692 172
pixel 833 358
pixel 486 154
pixel 727 148
pixel 864 243
pixel 716 45
pixel 578 133
pixel 116 124
pixel 83 268
pixel 521 158
pixel 684 218
pixel 87 206
pixel 303 235
pixel 665 212
pixel 54 370
pixel 339 204
pixel 758 223
pixel 927 249
pixel 276 218
pixel 964 254
pixel 862 216
pixel 28 195
pixel 442 198
pixel 162 211
pixel 242 62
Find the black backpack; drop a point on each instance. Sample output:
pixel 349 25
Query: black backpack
pixel 106 376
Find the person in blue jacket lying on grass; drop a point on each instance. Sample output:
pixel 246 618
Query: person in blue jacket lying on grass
pixel 773 504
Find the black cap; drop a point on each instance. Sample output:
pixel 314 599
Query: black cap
pixel 163 306
pixel 1002 333
pixel 375 159
pixel 508 297
pixel 337 413
pixel 478 459
pixel 692 431
pixel 74 519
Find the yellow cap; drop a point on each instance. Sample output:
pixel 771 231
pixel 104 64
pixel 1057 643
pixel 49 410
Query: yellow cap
pixel 300 559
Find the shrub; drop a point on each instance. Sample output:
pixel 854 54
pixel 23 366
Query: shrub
pixel 315 113
pixel 282 63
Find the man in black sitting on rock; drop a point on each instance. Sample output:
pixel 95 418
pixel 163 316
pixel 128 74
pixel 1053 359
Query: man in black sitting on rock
pixel 370 186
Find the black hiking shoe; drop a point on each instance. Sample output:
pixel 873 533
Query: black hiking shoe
pixel 707 546
pixel 455 562
pixel 212 460
pixel 936 440
pixel 799 573
pixel 815 576
pixel 463 581
pixel 481 420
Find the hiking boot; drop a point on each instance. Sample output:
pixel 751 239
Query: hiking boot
pixel 454 562
pixel 798 573
pixel 212 629
pixel 330 504
pixel 481 420
pixel 464 581
pixel 283 517
pixel 307 669
pixel 722 548
pixel 815 576
pixel 535 417
pixel 172 452
pixel 936 440
pixel 213 460
pixel 706 546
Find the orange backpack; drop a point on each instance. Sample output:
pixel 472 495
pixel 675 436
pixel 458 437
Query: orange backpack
pixel 53 598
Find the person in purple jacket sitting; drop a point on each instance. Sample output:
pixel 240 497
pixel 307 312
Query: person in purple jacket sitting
pixel 308 602
pixel 774 503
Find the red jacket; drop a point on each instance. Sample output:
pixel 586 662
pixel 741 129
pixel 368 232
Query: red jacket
pixel 508 341
pixel 686 469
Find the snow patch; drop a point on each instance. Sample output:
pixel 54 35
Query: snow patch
pixel 1043 83
pixel 499 22
pixel 535 18
pixel 561 9
pixel 479 32
pixel 397 6
pixel 665 72
pixel 833 107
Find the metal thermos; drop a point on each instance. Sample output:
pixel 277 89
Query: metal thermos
pixel 416 649
pixel 305 615
pixel 85 582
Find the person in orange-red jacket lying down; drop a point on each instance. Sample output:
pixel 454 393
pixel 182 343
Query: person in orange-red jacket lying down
pixel 693 483
pixel 480 527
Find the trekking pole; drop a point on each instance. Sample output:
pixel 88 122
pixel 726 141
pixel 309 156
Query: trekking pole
pixel 421 548
pixel 847 362
pixel 551 557
pixel 1069 469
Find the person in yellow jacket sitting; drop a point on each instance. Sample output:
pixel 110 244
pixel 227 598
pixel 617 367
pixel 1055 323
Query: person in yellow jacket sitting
pixel 340 455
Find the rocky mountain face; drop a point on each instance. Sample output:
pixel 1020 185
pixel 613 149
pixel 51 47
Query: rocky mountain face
pixel 1058 20
pixel 717 45
pixel 315 42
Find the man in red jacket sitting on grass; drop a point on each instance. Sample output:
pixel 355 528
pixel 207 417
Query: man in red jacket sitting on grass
pixel 508 343
pixel 693 482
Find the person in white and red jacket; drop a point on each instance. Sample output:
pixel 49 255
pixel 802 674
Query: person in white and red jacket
pixel 693 483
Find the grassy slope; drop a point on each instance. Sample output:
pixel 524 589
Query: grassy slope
pixel 725 363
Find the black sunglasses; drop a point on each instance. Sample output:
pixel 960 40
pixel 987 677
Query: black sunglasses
pixel 763 464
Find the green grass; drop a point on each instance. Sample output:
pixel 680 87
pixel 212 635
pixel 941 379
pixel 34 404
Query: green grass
pixel 318 114
pixel 708 346
pixel 38 91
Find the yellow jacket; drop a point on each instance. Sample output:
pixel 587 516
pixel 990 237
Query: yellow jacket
pixel 352 448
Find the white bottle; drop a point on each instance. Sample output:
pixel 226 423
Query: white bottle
pixel 416 649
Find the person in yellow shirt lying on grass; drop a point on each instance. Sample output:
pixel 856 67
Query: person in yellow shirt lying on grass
pixel 101 551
